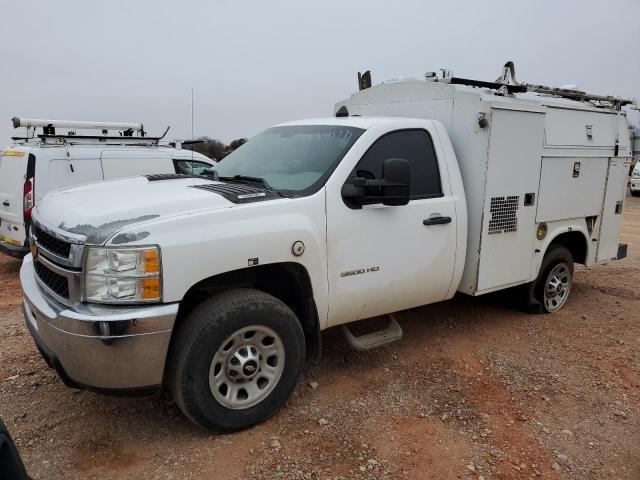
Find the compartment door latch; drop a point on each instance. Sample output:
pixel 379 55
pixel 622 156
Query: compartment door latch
pixel 529 199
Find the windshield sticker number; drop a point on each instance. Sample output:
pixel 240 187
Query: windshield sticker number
pixel 334 135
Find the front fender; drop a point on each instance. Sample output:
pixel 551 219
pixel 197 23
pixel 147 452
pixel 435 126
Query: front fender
pixel 199 245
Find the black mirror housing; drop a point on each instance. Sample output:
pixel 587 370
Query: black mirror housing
pixel 396 173
pixel 392 189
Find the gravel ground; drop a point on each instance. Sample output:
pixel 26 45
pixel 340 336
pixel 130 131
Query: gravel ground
pixel 475 390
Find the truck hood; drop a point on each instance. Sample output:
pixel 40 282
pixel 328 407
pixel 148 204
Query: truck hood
pixel 96 211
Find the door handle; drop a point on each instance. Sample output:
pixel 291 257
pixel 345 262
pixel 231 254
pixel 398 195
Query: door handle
pixel 436 220
pixel 6 203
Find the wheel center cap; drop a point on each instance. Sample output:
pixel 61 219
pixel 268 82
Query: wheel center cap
pixel 250 368
pixel 244 364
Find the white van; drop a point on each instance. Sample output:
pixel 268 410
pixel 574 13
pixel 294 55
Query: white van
pixel 635 181
pixel 34 166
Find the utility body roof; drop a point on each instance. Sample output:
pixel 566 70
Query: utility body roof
pixel 415 90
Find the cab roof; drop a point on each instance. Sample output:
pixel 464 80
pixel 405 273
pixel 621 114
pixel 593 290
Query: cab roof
pixel 351 121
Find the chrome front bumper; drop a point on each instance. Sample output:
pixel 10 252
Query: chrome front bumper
pixel 110 349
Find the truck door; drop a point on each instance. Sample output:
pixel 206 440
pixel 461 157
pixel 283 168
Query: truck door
pixel 383 259
pixel 611 223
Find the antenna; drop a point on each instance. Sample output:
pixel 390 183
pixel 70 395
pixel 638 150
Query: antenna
pixel 192 125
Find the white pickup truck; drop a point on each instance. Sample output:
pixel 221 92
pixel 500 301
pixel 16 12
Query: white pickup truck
pixel 218 288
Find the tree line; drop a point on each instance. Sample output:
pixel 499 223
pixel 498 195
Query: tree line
pixel 213 148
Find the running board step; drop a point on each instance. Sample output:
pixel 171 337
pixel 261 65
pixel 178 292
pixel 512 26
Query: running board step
pixel 362 343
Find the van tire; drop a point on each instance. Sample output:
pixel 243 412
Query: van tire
pixel 635 194
pixel 556 272
pixel 204 338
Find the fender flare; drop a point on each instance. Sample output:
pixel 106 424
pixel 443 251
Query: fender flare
pixel 552 235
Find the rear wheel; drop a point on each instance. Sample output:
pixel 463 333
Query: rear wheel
pixel 553 285
pixel 235 360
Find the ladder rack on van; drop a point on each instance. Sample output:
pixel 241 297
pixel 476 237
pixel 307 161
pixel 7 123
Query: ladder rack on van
pixel 127 132
pixel 49 126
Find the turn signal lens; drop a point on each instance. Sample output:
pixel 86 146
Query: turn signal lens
pixel 151 261
pixel 151 289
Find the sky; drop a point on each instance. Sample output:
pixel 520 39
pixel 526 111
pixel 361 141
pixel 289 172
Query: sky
pixel 252 64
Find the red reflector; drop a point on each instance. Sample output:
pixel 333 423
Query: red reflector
pixel 28 199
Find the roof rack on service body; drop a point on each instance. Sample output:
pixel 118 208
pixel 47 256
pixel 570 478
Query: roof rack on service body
pixel 110 132
pixel 506 84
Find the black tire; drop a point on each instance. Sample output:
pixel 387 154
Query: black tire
pixel 200 337
pixel 555 256
pixel 11 465
pixel 635 194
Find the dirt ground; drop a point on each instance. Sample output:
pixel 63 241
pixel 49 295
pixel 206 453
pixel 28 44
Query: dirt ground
pixel 475 390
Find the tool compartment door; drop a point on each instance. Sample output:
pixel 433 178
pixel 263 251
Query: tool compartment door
pixel 572 128
pixel 571 187
pixel 611 223
pixel 513 175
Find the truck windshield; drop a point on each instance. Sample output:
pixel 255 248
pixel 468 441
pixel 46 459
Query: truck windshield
pixel 296 158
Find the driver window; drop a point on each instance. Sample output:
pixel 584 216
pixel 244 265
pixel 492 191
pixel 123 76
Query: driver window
pixel 415 146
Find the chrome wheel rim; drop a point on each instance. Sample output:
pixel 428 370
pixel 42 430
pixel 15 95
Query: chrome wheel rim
pixel 557 287
pixel 247 367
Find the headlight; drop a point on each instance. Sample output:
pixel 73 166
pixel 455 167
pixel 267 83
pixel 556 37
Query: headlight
pixel 636 174
pixel 122 275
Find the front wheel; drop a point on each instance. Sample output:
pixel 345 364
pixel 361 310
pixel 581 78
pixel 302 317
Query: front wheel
pixel 635 193
pixel 235 360
pixel 553 285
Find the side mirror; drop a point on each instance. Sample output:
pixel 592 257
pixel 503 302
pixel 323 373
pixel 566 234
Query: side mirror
pixel 392 189
pixel 211 173
pixel 396 173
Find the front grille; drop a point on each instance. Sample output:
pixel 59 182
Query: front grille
pixel 56 282
pixel 52 244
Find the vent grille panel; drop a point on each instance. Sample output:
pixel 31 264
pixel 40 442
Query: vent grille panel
pixel 171 176
pixel 504 214
pixel 239 192
pixel 230 189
